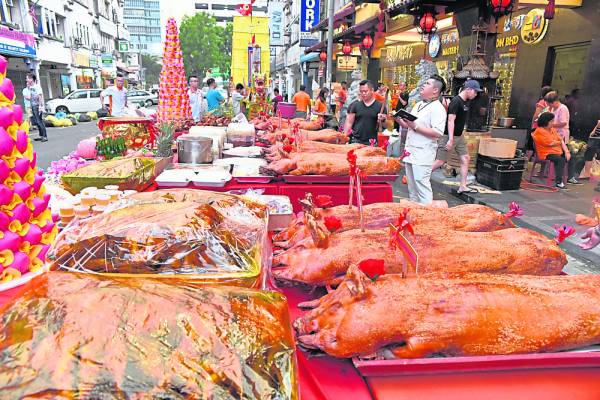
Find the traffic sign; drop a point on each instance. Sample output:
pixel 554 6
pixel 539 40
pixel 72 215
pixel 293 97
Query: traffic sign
pixel 123 46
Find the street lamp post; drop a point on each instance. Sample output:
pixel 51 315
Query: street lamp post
pixel 330 44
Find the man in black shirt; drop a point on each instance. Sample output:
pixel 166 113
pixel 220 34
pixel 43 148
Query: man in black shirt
pixel 402 100
pixel 363 115
pixel 453 139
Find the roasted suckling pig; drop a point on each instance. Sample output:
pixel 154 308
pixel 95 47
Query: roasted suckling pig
pixel 453 315
pixel 331 164
pixel 510 251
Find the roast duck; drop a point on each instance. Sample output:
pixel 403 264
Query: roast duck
pixel 87 336
pixel 453 315
pixel 467 217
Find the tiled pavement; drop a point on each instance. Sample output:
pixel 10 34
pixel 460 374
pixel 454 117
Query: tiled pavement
pixel 542 211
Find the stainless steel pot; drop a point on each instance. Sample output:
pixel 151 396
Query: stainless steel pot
pixel 506 122
pixel 194 150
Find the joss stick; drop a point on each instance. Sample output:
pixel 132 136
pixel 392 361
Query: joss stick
pixel 359 200
pixel 350 191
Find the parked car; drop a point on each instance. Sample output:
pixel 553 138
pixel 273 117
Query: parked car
pixel 78 101
pixel 142 97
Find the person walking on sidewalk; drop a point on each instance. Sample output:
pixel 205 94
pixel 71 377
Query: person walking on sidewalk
pixel 302 101
pixel 196 97
pixel 551 146
pixel 422 137
pixel 36 101
pixel 117 97
pixel 453 140
pixel 561 115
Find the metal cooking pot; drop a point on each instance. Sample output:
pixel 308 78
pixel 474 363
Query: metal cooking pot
pixel 506 122
pixel 194 150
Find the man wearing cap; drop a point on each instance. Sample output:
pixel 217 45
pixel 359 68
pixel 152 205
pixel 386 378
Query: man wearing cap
pixel 453 140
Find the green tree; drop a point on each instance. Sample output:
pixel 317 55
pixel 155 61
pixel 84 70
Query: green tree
pixel 204 44
pixel 152 66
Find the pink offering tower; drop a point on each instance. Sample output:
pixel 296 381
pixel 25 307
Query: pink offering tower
pixel 173 102
pixel 26 225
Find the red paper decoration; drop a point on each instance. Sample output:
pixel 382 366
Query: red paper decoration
pixel 501 7
pixel 323 56
pixel 427 23
pixel 367 41
pixel 347 49
pixel 550 9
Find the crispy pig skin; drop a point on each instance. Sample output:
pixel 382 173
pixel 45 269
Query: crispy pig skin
pixel 466 217
pixel 507 251
pixel 453 315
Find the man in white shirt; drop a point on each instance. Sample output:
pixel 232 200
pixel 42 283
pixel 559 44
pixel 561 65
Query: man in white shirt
pixel 196 97
pixel 117 97
pixel 422 138
pixel 237 97
pixel 35 97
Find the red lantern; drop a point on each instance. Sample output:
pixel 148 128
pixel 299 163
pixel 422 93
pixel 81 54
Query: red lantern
pixel 367 42
pixel 550 9
pixel 323 56
pixel 347 49
pixel 427 23
pixel 501 7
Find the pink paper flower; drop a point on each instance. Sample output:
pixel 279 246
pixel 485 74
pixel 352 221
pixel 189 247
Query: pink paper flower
pixel 563 232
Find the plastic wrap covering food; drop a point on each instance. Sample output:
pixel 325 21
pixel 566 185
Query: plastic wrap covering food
pixel 223 240
pixel 85 336
pixel 130 173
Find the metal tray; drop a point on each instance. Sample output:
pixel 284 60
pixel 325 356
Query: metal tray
pixel 336 179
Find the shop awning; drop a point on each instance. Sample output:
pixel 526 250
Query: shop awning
pixel 354 34
pixel 338 18
pixel 309 57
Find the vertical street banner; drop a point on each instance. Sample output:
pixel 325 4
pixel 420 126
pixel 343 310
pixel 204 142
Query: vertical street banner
pixel 309 14
pixel 276 24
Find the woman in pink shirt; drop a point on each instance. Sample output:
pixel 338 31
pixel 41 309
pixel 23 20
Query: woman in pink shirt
pixel 561 115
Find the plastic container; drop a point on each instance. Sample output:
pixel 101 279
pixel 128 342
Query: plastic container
pixel 287 110
pixel 500 173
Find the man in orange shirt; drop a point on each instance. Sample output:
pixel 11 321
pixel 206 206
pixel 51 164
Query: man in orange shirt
pixel 302 101
pixel 550 146
pixel 380 93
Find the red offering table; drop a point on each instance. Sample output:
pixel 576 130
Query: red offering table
pixel 372 193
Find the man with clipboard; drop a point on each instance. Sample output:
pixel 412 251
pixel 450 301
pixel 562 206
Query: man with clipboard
pixel 425 127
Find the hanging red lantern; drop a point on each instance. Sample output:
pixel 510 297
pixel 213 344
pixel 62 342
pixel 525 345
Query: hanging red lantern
pixel 347 49
pixel 550 9
pixel 501 7
pixel 367 42
pixel 323 56
pixel 427 23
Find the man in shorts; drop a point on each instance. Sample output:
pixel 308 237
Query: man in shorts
pixel 453 140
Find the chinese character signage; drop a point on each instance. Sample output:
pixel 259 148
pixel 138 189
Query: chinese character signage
pixel 276 24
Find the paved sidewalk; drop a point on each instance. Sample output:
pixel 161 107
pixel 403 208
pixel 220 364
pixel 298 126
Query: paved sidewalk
pixel 543 210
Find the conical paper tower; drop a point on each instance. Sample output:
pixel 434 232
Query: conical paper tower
pixel 26 225
pixel 173 102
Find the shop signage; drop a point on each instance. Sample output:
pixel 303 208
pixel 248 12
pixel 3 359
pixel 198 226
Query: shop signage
pixel 403 53
pixel 82 59
pixel 534 26
pixel 506 41
pixel 93 62
pixel 276 24
pixel 309 14
pixel 16 43
pixel 292 56
pixel 123 46
pixel 434 45
pixel 108 61
pixel 450 43
pixel 347 63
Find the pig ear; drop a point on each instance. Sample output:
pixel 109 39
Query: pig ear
pixel 357 281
